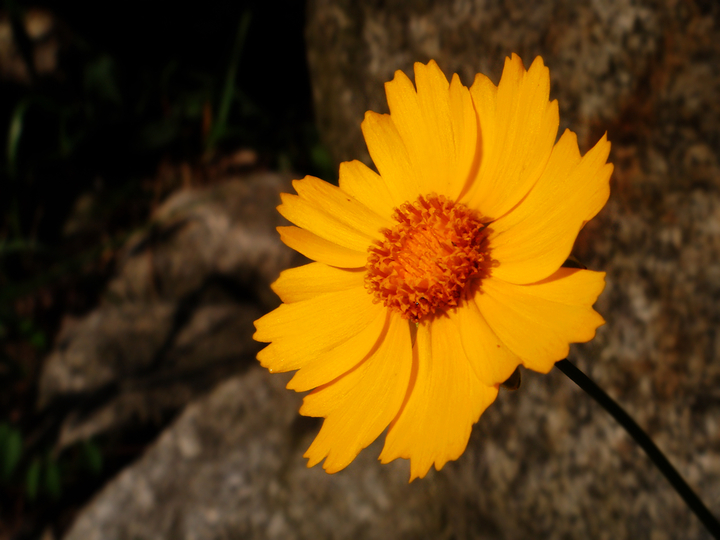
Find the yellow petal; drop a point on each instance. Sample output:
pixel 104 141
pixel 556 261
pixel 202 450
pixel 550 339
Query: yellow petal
pixel 332 214
pixel 517 136
pixel 489 357
pixel 311 280
pixel 484 97
pixel 367 186
pixel 536 237
pixel 321 250
pixel 438 127
pixel 358 406
pixel 465 136
pixel 331 364
pixel 408 121
pixel 390 156
pixel 539 321
pixel 300 331
pixel 445 400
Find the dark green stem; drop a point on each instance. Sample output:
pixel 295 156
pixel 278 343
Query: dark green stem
pixel 645 442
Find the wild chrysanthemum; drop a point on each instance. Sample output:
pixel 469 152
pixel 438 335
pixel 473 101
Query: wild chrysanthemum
pixel 437 277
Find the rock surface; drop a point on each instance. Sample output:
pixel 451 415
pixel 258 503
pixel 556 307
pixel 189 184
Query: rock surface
pixel 178 316
pixel 545 461
pixel 231 467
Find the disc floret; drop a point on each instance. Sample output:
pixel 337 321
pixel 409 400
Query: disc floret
pixel 426 262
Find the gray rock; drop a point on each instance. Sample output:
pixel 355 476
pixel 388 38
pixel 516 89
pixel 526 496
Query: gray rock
pixel 600 54
pixel 213 345
pixel 231 467
pixel 224 230
pixel 108 343
pixel 178 316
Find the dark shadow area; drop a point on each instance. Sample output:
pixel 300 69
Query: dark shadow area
pixel 106 110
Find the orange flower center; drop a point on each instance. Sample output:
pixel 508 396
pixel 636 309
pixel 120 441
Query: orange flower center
pixel 437 250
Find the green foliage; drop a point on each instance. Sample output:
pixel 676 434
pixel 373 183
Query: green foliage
pixel 43 476
pixel 32 334
pixel 52 480
pixel 100 81
pixel 220 125
pixel 92 457
pixel 14 133
pixel 43 472
pixel 11 447
pixel 32 479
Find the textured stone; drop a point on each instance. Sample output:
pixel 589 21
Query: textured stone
pixel 92 353
pixel 177 318
pixel 600 53
pixel 547 462
pixel 198 234
pixel 231 467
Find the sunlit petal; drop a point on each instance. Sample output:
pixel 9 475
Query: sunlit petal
pixel 538 322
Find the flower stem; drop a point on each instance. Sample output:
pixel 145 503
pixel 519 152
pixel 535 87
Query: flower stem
pixel 645 442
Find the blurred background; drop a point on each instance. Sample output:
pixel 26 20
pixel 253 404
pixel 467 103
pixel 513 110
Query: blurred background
pixel 144 147
pixel 105 112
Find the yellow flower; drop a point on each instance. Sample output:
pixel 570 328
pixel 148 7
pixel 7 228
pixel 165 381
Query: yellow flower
pixel 437 277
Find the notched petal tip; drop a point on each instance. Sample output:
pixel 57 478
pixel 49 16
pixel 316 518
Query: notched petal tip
pixel 285 199
pixel 313 457
pixel 257 336
pixel 260 335
pixel 538 64
pixel 307 178
pixel 514 60
pixel 431 64
pixel 429 71
pixel 399 83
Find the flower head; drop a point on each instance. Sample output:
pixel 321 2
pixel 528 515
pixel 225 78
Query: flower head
pixel 440 274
